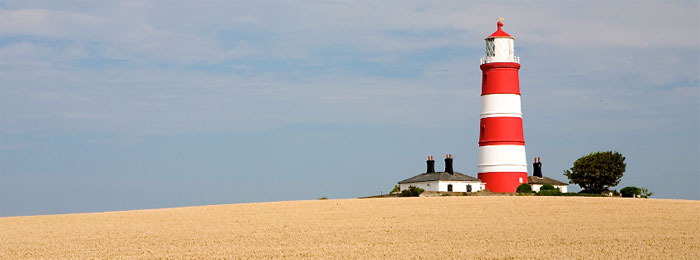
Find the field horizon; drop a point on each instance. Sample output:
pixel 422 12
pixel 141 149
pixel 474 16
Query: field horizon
pixel 500 227
pixel 278 201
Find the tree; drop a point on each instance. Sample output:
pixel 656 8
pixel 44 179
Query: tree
pixel 524 188
pixel 595 172
pixel 644 193
pixel 630 191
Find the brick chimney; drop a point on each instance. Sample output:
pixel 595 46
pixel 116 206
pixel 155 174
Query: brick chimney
pixel 448 164
pixel 537 168
pixel 431 165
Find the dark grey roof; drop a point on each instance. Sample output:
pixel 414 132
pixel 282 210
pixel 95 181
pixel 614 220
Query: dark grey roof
pixel 439 176
pixel 544 180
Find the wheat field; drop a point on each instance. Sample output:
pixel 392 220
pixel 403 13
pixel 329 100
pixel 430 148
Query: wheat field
pixel 507 227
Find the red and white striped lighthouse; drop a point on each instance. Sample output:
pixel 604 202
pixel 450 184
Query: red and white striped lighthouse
pixel 502 162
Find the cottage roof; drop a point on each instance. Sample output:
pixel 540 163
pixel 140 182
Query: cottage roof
pixel 439 176
pixel 544 180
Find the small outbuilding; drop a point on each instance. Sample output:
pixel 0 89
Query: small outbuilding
pixel 448 181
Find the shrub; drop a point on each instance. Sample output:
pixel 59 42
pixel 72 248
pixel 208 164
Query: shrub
pixel 630 191
pixel 554 192
pixel 574 194
pixel 322 198
pixel 411 192
pixel 644 193
pixel 524 188
pixel 396 189
pixel 547 187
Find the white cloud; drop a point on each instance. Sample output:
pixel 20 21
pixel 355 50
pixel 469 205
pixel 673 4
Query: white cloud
pixel 647 46
pixel 41 22
pixel 148 32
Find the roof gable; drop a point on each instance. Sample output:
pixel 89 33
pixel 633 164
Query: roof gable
pixel 544 180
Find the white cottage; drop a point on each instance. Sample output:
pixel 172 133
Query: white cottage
pixel 449 180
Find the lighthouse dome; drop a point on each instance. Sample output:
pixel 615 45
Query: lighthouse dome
pixel 500 47
pixel 499 32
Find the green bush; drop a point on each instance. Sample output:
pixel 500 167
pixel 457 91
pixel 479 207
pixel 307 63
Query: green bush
pixel 547 187
pixel 554 192
pixel 630 191
pixel 644 193
pixel 411 192
pixel 396 189
pixel 524 188
pixel 574 194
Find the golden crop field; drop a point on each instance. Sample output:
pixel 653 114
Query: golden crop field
pixel 507 227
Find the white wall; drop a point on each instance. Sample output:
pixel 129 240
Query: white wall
pixel 429 185
pixel 460 186
pixel 457 186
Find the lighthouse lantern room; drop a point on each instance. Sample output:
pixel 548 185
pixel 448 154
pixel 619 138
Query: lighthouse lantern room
pixel 502 163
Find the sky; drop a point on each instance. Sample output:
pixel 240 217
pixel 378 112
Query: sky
pixel 119 105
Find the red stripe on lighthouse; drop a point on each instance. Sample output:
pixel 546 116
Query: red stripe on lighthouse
pixel 503 181
pixel 501 130
pixel 500 78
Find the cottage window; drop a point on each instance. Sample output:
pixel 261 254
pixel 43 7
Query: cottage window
pixel 469 188
pixel 449 187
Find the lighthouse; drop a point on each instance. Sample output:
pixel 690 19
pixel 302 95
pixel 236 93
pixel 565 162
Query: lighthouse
pixel 502 163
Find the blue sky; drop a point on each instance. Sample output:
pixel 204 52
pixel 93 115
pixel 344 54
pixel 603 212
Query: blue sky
pixel 116 105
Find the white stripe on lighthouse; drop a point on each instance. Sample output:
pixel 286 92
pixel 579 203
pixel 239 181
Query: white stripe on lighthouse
pixel 502 168
pixel 502 158
pixel 500 105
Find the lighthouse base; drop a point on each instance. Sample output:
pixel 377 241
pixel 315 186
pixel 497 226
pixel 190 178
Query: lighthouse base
pixel 503 181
